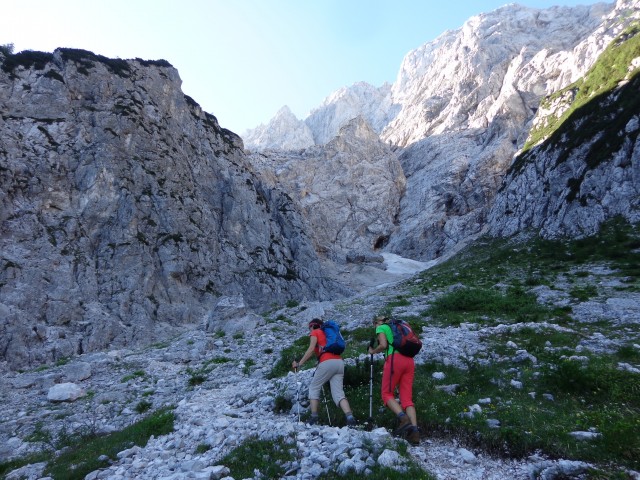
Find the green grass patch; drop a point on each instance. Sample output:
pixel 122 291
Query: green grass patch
pixel 203 448
pixel 143 406
pixel 489 262
pixel 199 375
pixel 131 376
pixel 80 457
pixel 593 396
pixel 544 344
pixel 584 293
pixel 288 355
pixel 266 456
pixel 217 361
pixel 248 363
pixel 480 305
pixel 628 353
pixel 400 301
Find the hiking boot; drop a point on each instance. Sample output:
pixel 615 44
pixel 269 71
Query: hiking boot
pixel 312 420
pixel 403 425
pixel 351 421
pixel 413 436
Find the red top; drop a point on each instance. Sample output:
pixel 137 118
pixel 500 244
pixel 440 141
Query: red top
pixel 322 341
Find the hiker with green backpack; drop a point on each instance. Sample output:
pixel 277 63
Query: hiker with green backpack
pixel 400 345
pixel 327 344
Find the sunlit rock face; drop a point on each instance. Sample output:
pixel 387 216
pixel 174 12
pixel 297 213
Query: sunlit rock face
pixel 349 190
pixel 462 106
pixel 126 211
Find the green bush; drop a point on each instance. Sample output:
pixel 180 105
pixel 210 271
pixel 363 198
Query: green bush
pixel 143 406
pixel 7 49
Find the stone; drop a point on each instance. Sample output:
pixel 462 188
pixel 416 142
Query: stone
pixel 390 458
pixel 467 456
pixel 65 392
pixel 77 371
pixel 585 436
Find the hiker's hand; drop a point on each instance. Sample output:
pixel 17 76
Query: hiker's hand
pixel 371 350
pixel 295 365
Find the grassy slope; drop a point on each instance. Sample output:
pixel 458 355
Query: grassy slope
pixel 494 282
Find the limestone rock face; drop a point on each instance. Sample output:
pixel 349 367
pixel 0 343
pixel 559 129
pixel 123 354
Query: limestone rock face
pixel 468 101
pixel 462 106
pixel 564 187
pixel 373 104
pixel 126 211
pixel 284 132
pixel 349 190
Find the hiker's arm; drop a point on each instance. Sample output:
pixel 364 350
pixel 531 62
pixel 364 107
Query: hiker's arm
pixel 382 344
pixel 307 355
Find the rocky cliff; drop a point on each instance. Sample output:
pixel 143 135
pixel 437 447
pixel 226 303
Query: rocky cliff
pixel 349 190
pixel 126 212
pixel 581 164
pixel 462 106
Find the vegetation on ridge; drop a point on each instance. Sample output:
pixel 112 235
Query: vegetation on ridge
pixel 600 106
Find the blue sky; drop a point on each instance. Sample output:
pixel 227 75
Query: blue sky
pixel 242 60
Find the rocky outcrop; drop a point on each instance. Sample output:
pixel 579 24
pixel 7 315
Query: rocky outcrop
pixel 126 212
pixel 349 190
pixel 470 97
pixel 586 167
pixel 283 132
pixel 373 104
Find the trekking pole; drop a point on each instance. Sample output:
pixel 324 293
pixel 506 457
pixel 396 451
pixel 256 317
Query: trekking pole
pixel 370 421
pixel 297 392
pixel 326 405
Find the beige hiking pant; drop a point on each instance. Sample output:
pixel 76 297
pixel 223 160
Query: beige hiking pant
pixel 331 371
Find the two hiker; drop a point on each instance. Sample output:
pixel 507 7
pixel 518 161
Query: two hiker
pixel 330 369
pixel 398 373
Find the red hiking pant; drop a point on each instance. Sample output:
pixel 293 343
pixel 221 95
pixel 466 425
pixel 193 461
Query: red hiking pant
pixel 398 372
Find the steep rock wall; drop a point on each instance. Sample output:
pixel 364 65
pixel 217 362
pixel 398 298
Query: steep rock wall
pixel 349 190
pixel 581 165
pixel 127 212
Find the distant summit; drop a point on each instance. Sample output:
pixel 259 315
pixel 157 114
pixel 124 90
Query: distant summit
pixel 286 132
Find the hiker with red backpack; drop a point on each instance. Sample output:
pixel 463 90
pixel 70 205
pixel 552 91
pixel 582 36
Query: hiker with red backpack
pixel 398 371
pixel 330 367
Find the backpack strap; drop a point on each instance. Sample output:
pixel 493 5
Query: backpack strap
pixel 391 374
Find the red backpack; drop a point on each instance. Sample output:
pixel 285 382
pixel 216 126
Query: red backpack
pixel 404 340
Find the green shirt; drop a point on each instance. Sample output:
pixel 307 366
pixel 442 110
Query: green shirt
pixel 386 329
